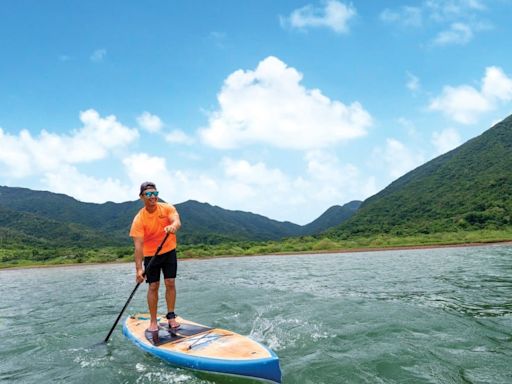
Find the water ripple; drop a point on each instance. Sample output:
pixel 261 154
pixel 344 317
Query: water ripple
pixel 422 316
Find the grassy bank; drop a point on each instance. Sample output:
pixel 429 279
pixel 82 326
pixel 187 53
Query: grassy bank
pixel 311 244
pixel 26 256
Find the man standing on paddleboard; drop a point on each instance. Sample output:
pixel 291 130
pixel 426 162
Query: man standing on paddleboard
pixel 149 228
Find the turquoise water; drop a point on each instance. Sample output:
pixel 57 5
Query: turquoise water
pixel 422 316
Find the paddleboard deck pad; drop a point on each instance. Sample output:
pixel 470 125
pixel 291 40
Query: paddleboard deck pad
pixel 168 335
pixel 199 347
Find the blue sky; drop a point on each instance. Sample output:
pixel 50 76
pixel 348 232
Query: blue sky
pixel 282 108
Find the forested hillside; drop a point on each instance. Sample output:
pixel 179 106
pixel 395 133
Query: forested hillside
pixel 469 188
pixel 44 219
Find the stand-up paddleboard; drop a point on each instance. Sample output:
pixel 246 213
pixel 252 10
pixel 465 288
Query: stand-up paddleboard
pixel 202 348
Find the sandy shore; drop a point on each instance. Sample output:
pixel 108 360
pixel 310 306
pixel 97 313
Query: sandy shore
pixel 304 253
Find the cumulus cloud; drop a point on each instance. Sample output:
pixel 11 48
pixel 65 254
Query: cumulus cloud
pixel 269 105
pixel 254 186
pixel 333 14
pixel 149 122
pixel 67 179
pixel 397 158
pixel 497 85
pixel 24 155
pixel 465 104
pixel 330 180
pixel 255 174
pixel 325 182
pixel 236 183
pixel 175 185
pixel 141 166
pixel 446 140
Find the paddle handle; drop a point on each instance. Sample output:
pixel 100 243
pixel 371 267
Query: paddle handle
pixel 135 289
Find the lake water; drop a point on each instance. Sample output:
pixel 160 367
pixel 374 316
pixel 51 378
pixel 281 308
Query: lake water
pixel 415 316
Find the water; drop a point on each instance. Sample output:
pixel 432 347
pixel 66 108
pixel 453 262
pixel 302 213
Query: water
pixel 422 316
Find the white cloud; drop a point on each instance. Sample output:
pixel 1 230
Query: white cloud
pixel 458 33
pixel 333 14
pixel 149 122
pixel 254 186
pixel 326 182
pixel 269 105
pixel 67 179
pixel 465 104
pixel 14 157
pixel 257 187
pixel 98 55
pixel 143 167
pixel 100 135
pixel 232 183
pixel 497 85
pixel 330 180
pixel 175 185
pixel 254 174
pixel 446 140
pixel 397 158
pixel 23 155
pixel 179 137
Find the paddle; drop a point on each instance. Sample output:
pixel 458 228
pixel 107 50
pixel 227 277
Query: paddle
pixel 136 286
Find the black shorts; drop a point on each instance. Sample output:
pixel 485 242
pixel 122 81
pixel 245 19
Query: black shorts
pixel 166 263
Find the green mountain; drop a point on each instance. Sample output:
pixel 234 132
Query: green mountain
pixel 65 220
pixel 207 224
pixel 27 228
pixel 332 217
pixel 467 188
pixel 39 218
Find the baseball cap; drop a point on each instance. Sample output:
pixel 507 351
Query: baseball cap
pixel 146 185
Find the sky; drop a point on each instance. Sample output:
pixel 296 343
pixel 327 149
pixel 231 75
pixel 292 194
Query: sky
pixel 280 108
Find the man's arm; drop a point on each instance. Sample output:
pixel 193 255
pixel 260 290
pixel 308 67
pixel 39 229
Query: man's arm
pixel 174 218
pixel 139 256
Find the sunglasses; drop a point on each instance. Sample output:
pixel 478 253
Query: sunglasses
pixel 152 193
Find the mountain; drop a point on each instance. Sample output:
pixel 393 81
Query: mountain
pixel 332 217
pixel 204 223
pixel 64 218
pixel 26 228
pixel 47 219
pixel 469 187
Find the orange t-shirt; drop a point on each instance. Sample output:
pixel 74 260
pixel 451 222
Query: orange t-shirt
pixel 151 226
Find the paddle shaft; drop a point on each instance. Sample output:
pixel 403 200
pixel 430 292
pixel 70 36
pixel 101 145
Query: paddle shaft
pixel 136 287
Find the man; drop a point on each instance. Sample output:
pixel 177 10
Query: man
pixel 148 230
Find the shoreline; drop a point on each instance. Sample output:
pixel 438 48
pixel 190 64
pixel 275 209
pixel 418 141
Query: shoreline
pixel 298 253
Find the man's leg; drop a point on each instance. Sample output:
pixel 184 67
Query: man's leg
pixel 153 304
pixel 170 298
